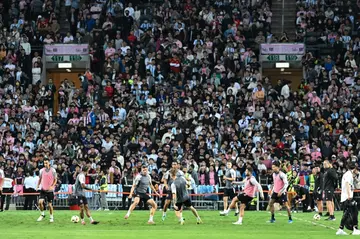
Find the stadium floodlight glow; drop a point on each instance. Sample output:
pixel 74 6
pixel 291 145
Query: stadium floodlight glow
pixel 64 65
pixel 282 65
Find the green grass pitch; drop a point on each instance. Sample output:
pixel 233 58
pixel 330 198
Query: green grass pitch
pixel 22 224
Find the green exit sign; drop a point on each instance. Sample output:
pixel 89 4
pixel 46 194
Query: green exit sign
pixel 66 58
pixel 57 58
pixel 75 58
pixel 273 58
pixel 291 57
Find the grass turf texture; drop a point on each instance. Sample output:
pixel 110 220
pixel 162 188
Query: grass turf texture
pixel 22 224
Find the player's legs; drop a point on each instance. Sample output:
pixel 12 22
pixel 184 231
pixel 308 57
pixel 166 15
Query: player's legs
pixel 288 209
pixel 82 213
pixel 165 208
pixel 51 211
pixel 50 199
pixel 330 208
pixel 132 207
pixel 41 207
pixel 153 205
pixel 88 214
pixel 234 203
pixel 196 214
pixel 320 207
pixel 241 214
pixel 226 199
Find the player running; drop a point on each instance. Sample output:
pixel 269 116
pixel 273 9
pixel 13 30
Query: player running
pixel 2 179
pixel 229 192
pixel 251 186
pixel 47 180
pixel 180 197
pixel 79 193
pixel 141 184
pixel 167 180
pixel 279 193
pixel 349 205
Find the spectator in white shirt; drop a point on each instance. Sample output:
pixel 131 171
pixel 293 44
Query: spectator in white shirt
pixel 30 183
pixel 107 144
pixel 69 38
pixel 151 101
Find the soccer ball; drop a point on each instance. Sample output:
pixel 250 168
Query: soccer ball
pixel 317 217
pixel 75 219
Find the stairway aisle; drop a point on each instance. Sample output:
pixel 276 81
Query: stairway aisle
pixel 289 15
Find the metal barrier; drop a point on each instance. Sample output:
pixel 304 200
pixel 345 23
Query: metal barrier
pixel 206 198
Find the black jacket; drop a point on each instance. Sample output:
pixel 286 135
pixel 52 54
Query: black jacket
pixel 330 179
pixel 319 185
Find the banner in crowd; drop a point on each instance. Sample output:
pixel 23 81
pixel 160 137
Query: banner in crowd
pixel 66 49
pixel 282 49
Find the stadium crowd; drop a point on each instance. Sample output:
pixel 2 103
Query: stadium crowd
pixel 178 81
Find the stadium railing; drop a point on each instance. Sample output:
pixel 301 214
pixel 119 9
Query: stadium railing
pixel 206 197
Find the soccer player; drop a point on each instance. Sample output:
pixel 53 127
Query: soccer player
pixel 79 193
pixel 349 205
pixel 251 185
pixel 2 179
pixel 167 180
pixel 330 180
pixel 318 192
pixel 180 197
pixel 229 192
pixel 141 184
pixel 47 180
pixel 279 193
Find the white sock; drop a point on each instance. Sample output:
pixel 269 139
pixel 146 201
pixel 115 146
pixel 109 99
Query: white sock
pixel 198 218
pixel 164 213
pixel 91 219
pixel 227 210
pixel 237 210
pixel 42 213
pixel 151 218
pixel 128 213
pixel 51 216
pixel 82 219
pixel 240 219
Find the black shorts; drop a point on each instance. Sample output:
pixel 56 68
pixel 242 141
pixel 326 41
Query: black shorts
pixel 168 193
pixel 180 205
pixel 243 198
pixel 329 195
pixel 143 197
pixel 229 192
pixel 81 200
pixel 318 196
pixel 47 196
pixel 282 199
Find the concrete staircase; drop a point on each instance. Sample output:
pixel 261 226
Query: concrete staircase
pixel 64 24
pixel 288 13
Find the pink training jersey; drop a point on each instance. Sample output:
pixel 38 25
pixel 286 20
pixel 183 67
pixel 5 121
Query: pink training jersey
pixel 280 182
pixel 47 178
pixel 251 185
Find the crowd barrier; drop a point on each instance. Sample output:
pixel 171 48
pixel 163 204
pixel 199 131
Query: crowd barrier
pixel 203 197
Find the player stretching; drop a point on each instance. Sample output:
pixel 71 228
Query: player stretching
pixel 229 192
pixel 80 196
pixel 349 205
pixel 279 193
pixel 251 185
pixel 167 180
pixel 2 179
pixel 47 180
pixel 141 184
pixel 180 197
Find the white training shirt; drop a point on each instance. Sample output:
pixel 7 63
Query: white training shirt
pixel 347 178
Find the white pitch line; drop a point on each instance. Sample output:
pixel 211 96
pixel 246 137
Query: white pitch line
pixel 311 222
